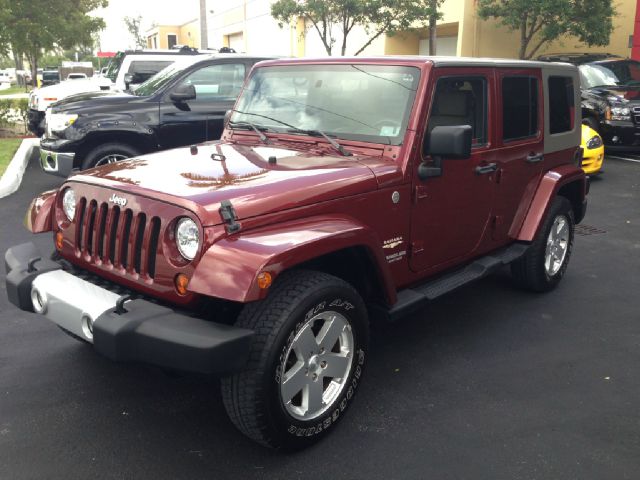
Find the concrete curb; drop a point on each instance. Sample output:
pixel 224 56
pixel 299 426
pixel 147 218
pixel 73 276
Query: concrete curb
pixel 12 176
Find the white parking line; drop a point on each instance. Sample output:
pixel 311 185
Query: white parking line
pixel 623 158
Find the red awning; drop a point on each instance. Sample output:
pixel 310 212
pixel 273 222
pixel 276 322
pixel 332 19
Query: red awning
pixel 106 54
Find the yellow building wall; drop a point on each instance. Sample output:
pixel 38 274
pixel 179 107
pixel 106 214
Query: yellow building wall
pixel 480 38
pixel 189 34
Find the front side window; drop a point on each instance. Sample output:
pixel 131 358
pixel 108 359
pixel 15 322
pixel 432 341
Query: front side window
pixel 519 108
pixel 461 101
pixel 217 82
pixel 370 103
pixel 561 104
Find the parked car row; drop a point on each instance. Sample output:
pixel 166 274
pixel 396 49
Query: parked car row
pixel 126 70
pixel 183 104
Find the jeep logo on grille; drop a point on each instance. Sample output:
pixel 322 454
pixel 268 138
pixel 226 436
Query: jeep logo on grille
pixel 118 200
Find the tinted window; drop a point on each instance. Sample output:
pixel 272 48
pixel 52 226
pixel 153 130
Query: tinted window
pixel 519 107
pixel 217 82
pixel 561 105
pixel 461 101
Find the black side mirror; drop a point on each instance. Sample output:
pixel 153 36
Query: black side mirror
pixel 183 93
pixel 128 79
pixel 445 142
pixel 449 141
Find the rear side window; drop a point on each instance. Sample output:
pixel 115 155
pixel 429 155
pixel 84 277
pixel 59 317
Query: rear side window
pixel 519 108
pixel 561 104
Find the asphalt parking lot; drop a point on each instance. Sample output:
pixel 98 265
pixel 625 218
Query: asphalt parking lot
pixel 487 383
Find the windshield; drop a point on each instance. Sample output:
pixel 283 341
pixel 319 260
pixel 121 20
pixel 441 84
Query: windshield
pixel 114 66
pixel 369 103
pixel 50 76
pixel 164 76
pixel 618 73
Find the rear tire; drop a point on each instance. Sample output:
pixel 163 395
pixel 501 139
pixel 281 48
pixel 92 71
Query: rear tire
pixel 108 153
pixel 546 260
pixel 285 397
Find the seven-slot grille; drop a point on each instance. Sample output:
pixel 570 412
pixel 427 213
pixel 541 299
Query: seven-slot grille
pixel 109 235
pixel 636 115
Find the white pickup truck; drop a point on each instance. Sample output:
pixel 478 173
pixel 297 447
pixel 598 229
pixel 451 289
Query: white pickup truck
pixel 126 70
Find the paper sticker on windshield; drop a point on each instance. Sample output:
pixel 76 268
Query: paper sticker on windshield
pixel 389 131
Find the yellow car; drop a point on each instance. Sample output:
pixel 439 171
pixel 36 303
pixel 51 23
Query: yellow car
pixel 593 151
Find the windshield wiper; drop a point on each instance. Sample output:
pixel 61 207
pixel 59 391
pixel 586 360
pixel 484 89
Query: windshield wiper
pixel 262 136
pixel 318 133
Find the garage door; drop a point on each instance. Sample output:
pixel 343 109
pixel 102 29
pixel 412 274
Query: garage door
pixel 236 41
pixel 444 46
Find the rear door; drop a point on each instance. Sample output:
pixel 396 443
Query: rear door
pixel 201 119
pixel 520 147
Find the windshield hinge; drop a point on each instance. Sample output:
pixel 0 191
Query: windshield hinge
pixel 229 216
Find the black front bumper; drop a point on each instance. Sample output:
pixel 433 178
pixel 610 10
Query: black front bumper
pixel 144 331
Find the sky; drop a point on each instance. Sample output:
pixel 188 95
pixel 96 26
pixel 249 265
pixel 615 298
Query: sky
pixel 168 12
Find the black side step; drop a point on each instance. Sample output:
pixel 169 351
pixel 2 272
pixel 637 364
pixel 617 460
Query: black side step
pixel 412 299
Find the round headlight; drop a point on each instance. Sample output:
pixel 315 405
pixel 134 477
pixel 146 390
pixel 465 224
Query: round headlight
pixel 69 203
pixel 187 238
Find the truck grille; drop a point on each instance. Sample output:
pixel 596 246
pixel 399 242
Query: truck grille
pixel 636 115
pixel 111 236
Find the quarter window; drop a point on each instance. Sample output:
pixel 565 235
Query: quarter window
pixel 519 108
pixel 461 101
pixel 561 104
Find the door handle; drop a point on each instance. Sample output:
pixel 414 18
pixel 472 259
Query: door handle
pixel 535 157
pixel 488 168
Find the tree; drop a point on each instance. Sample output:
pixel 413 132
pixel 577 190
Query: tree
pixel 37 26
pixel 543 21
pixel 377 17
pixel 433 20
pixel 133 25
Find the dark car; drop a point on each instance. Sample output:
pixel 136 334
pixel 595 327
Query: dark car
pixel 610 96
pixel 50 77
pixel 183 104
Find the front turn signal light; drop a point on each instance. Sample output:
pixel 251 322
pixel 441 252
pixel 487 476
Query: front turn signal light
pixel 264 280
pixel 58 240
pixel 181 283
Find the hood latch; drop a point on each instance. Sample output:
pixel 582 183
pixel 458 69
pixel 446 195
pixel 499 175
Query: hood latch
pixel 229 216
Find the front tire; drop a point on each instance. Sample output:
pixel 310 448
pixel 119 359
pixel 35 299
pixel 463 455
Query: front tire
pixel 546 261
pixel 108 153
pixel 307 360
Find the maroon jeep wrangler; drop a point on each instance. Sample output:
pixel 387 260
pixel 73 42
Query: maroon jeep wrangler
pixel 342 189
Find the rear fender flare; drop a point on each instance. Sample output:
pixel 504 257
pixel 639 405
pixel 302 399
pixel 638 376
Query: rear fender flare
pixel 549 186
pixel 39 216
pixel 230 267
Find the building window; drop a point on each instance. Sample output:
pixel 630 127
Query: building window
pixel 172 40
pixel 561 104
pixel 519 108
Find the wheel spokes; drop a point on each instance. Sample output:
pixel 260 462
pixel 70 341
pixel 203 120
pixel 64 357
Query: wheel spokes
pixel 330 332
pixel 295 379
pixel 306 344
pixel 312 396
pixel 336 366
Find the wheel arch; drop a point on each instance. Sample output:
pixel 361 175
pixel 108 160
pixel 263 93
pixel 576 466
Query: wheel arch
pixel 336 245
pixel 567 181
pixel 144 144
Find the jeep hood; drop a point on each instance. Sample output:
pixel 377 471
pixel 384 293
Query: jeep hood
pixel 257 180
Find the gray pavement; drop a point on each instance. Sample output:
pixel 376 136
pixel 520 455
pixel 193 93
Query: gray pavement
pixel 487 383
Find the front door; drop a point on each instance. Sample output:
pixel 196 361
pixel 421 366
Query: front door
pixel 201 119
pixel 451 212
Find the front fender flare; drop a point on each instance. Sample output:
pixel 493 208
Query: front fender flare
pixel 229 268
pixel 39 216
